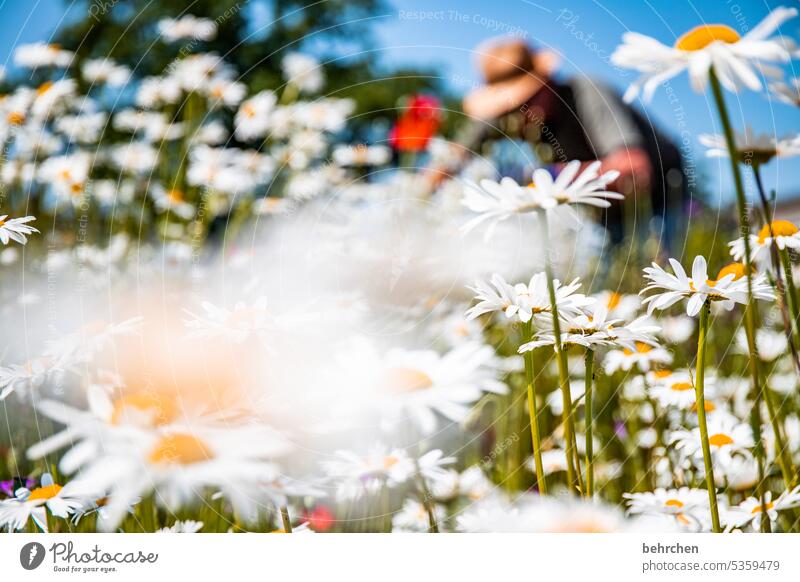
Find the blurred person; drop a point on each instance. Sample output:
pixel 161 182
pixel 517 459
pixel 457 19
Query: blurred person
pixel 572 119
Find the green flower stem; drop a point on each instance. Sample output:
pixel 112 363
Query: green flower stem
pixel 750 314
pixel 791 288
pixel 427 502
pixel 561 358
pixel 701 417
pixel 287 523
pixel 541 480
pixel 589 414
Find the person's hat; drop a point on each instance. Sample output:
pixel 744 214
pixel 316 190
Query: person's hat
pixel 513 74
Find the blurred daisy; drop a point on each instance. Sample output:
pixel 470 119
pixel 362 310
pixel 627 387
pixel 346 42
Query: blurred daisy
pixel 254 116
pixel 619 306
pixel 643 357
pixel 752 148
pixel 413 517
pixel 771 345
pixel 677 390
pixel 361 155
pixel 16 229
pixel 684 504
pixel 787 92
pixel 737 60
pixel 358 474
pixel 39 54
pixel 676 329
pixel 29 377
pixel 188 26
pixel 178 467
pixel 171 201
pixel 729 288
pixel 105 71
pixel 303 71
pixel 188 526
pixel 34 504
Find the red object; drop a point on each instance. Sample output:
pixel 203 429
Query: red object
pixel 417 125
pixel 320 518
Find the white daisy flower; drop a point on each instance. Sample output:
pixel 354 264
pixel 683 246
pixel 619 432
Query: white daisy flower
pixel 677 329
pixel 179 464
pixel 91 338
pixel 34 504
pixel 677 390
pixel 527 301
pixel 16 229
pixel 105 71
pixel 188 526
pixel 685 505
pixel 787 92
pixel 413 517
pixel 619 306
pixel 726 436
pixel 787 236
pixel 729 288
pixel 752 510
pixel 736 59
pixel 188 26
pixel 303 71
pixel 361 155
pixel 495 202
pixel 171 201
pixel 771 344
pixel 253 118
pixel 29 377
pixel 358 474
pixel 39 54
pixel 158 91
pixel 644 357
pixel 751 147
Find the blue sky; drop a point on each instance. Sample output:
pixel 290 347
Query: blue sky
pixel 442 33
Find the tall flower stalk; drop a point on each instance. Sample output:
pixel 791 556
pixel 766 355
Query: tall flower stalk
pixel 750 315
pixel 561 359
pixel 701 416
pixel 536 440
pixel 589 414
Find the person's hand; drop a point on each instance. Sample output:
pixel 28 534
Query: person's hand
pixel 635 170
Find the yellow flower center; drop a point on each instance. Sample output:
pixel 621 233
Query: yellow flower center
pixel 44 88
pixel 45 493
pixel 757 508
pixel 161 408
pixel 249 110
pixel 779 228
pixel 613 300
pixel 390 461
pixel 175 196
pixel 736 269
pixel 16 118
pixel 708 406
pixel 701 36
pixel 673 503
pixel 180 449
pixel 662 373
pixel 719 440
pixel 641 348
pixel 408 380
pixel 681 386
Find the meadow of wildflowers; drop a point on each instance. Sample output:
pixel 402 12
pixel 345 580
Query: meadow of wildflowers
pixel 223 316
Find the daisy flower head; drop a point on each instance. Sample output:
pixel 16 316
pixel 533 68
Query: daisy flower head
pixel 188 26
pixel 304 71
pixel 751 510
pixel 729 288
pixel 677 390
pixel 685 505
pixel 16 229
pixel 787 92
pixel 498 201
pixel 34 504
pixel 735 59
pixel 644 357
pixel 771 345
pixel 357 474
pixel 622 306
pixel 726 436
pixel 39 54
pixel 786 236
pixel 414 518
pixel 751 147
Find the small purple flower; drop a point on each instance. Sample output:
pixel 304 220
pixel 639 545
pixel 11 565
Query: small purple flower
pixel 620 430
